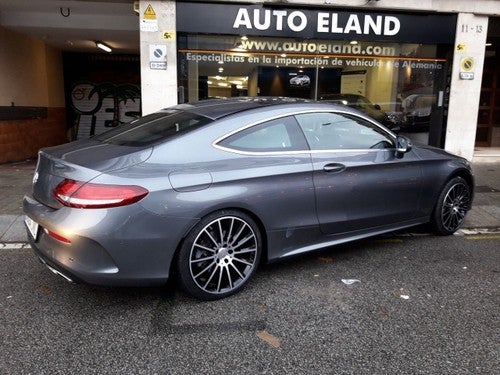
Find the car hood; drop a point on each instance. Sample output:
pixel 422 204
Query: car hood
pixel 430 152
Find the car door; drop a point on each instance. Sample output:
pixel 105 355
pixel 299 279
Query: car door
pixel 270 160
pixel 360 183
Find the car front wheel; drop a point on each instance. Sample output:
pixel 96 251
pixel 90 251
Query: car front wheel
pixel 219 255
pixel 451 207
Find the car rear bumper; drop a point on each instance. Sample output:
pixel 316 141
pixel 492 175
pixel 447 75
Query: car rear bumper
pixel 137 250
pixel 71 271
pixel 54 268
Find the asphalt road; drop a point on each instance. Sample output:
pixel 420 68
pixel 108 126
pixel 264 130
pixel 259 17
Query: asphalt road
pixel 423 305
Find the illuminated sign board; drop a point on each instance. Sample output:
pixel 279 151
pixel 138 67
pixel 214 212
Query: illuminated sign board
pixel 319 23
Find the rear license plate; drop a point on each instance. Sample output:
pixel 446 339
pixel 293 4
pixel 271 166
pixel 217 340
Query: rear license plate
pixel 32 226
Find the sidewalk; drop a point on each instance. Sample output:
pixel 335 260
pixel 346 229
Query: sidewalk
pixel 16 178
pixel 15 181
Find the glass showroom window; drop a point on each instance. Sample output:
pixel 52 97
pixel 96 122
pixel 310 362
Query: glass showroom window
pixel 396 83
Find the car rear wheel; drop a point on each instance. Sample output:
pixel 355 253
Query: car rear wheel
pixel 451 207
pixel 219 255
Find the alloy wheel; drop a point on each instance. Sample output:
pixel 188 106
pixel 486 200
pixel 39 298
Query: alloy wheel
pixel 223 255
pixel 455 206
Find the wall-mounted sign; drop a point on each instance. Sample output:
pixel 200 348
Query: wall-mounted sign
pixel 149 22
pixel 158 56
pixel 467 75
pixel 467 68
pixel 149 13
pixel 325 23
pixel 168 35
pixel 467 64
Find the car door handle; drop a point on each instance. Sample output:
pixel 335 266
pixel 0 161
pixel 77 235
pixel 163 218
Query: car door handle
pixel 334 167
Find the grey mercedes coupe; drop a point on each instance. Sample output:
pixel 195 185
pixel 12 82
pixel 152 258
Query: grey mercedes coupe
pixel 206 191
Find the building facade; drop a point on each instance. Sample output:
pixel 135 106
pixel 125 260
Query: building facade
pixel 427 69
pixel 420 62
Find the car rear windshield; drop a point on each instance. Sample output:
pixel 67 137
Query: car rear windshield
pixel 154 128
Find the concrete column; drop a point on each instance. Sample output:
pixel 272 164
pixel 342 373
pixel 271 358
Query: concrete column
pixel 193 83
pixel 158 40
pixel 464 97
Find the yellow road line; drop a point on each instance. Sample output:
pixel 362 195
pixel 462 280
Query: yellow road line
pixel 484 237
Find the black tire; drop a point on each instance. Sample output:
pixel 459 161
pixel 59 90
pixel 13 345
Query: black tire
pixel 451 207
pixel 220 255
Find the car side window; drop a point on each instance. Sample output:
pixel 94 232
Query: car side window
pixel 339 131
pixel 155 127
pixel 282 134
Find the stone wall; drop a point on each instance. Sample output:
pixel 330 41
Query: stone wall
pixel 21 139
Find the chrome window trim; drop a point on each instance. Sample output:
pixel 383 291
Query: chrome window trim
pixel 300 152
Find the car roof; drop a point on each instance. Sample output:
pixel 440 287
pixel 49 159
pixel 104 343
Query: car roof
pixel 218 108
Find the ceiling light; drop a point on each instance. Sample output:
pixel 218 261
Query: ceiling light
pixel 353 42
pixel 103 46
pixel 244 37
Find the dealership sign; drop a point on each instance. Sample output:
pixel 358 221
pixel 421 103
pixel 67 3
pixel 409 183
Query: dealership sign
pixel 265 19
pixel 319 23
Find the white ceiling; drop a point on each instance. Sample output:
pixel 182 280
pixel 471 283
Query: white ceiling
pixel 111 21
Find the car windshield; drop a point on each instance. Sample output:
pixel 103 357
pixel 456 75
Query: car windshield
pixel 154 128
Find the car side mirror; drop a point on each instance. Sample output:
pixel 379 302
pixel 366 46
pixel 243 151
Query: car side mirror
pixel 403 145
pixel 377 107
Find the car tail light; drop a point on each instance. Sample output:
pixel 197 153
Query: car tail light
pixel 79 194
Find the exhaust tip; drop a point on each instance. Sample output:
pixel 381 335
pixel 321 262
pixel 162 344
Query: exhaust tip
pixel 56 272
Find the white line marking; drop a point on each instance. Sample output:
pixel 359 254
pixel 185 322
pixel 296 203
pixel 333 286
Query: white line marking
pixel 14 245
